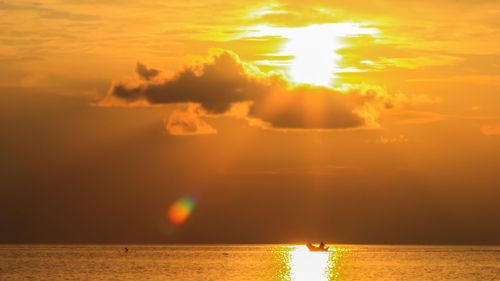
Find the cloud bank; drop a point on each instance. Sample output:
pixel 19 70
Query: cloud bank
pixel 224 85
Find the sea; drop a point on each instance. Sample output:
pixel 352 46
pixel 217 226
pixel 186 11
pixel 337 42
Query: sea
pixel 248 262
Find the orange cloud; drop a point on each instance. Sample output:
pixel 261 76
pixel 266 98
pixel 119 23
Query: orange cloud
pixel 225 82
pixel 185 123
pixel 423 117
pixel 491 130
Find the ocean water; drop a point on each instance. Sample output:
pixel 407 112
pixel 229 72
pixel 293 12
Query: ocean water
pixel 247 262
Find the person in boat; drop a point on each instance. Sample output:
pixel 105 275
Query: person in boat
pixel 321 247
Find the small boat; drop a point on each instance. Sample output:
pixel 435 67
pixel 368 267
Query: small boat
pixel 313 248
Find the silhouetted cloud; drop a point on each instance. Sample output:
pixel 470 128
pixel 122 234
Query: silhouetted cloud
pixel 307 107
pixel 223 82
pixel 214 85
pixel 146 73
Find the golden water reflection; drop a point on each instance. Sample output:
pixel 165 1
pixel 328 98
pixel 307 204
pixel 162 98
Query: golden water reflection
pixel 297 263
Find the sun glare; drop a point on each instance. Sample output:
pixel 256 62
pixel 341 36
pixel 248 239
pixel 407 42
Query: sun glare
pixel 313 49
pixel 303 265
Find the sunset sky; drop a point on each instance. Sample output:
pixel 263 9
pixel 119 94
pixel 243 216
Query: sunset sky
pixel 250 121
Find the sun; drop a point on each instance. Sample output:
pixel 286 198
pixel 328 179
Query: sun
pixel 314 55
pixel 312 49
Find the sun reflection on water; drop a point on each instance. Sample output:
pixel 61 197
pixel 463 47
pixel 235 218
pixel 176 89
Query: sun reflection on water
pixel 300 264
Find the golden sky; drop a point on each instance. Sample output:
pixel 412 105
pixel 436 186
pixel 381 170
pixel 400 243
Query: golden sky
pixel 343 119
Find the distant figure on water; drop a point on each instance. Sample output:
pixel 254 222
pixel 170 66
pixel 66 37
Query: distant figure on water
pixel 320 248
pixel 126 250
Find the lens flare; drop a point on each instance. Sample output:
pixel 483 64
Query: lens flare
pixel 180 210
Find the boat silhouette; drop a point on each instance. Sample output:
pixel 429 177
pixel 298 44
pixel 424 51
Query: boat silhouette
pixel 320 248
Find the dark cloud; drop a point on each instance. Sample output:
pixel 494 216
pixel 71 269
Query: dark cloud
pixel 224 81
pixel 214 85
pixel 146 73
pixel 307 107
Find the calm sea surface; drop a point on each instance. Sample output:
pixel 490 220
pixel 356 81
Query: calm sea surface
pixel 247 262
